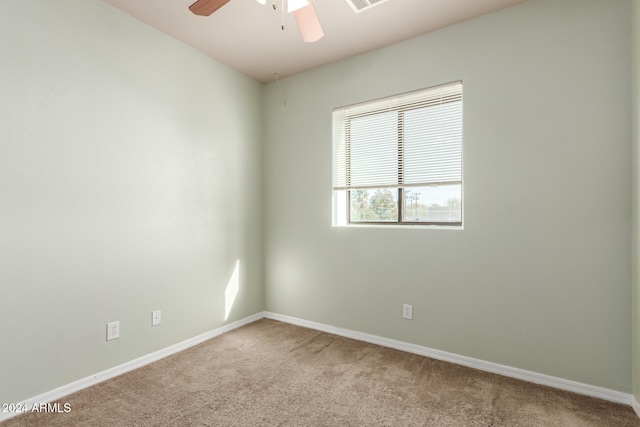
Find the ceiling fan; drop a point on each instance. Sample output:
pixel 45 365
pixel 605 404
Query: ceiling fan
pixel 303 12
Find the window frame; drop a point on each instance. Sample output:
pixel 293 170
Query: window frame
pixel 401 187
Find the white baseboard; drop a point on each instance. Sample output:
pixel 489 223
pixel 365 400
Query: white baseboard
pixel 635 405
pixel 533 377
pixel 66 390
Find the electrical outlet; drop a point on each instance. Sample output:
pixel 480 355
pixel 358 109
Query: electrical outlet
pixel 407 311
pixel 156 317
pixel 113 330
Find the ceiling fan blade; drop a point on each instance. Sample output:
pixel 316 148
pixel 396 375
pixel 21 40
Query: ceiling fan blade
pixel 308 23
pixel 207 7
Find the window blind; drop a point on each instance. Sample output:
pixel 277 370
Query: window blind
pixel 408 140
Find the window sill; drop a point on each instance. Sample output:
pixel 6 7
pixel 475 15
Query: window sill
pixel 405 226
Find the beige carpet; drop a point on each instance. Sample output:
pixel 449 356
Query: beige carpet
pixel 274 374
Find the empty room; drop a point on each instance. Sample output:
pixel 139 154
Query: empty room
pixel 323 213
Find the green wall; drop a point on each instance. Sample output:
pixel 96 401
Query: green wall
pixel 128 183
pixel 635 159
pixel 540 277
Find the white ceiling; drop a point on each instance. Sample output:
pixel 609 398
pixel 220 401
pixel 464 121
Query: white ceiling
pixel 247 36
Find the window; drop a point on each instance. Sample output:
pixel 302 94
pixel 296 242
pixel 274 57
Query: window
pixel 398 160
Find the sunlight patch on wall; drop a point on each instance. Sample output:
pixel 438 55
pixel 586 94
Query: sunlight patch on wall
pixel 231 292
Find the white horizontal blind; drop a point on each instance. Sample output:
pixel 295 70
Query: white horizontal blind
pixel 408 140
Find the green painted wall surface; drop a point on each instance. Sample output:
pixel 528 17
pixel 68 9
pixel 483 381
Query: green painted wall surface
pixel 540 277
pixel 128 182
pixel 635 159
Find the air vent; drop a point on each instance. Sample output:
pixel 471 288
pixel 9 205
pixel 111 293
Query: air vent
pixel 362 5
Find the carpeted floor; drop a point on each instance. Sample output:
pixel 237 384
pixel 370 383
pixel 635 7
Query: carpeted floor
pixel 270 373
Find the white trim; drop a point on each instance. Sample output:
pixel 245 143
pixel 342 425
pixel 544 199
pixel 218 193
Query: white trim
pixel 508 371
pixel 66 390
pixel 635 405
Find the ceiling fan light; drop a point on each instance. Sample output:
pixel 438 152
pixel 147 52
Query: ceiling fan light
pixel 293 5
pixel 262 1
pixel 308 24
